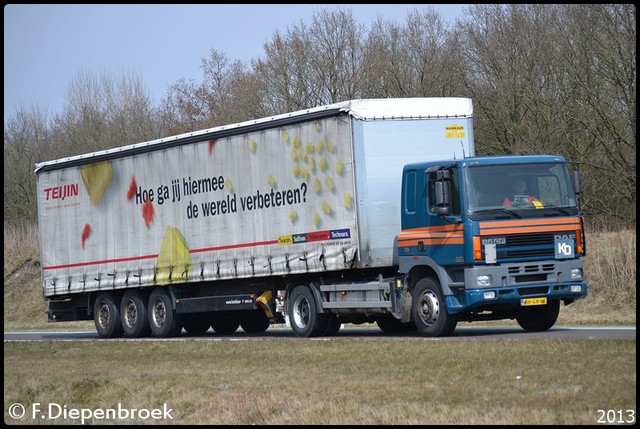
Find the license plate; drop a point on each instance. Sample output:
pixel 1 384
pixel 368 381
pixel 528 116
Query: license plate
pixel 533 301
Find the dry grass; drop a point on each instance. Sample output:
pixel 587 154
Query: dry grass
pixel 329 381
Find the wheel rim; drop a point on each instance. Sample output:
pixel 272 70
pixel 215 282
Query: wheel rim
pixel 104 315
pixel 428 307
pixel 301 312
pixel 159 313
pixel 130 314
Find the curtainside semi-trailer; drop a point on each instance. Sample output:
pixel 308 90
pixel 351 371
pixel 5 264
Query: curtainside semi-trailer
pixel 373 210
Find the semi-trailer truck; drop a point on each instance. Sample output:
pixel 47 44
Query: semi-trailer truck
pixel 363 211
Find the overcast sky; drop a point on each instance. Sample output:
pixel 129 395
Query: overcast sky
pixel 46 46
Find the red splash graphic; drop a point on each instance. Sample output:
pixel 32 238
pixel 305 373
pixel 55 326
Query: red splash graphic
pixel 148 213
pixel 211 143
pixel 86 232
pixel 132 189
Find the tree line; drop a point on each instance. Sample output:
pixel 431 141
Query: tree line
pixel 544 78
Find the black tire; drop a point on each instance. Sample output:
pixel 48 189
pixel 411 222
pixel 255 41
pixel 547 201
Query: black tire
pixel 303 313
pixel 540 318
pixel 256 321
pixel 133 314
pixel 333 325
pixel 391 325
pixel 163 319
pixel 225 322
pixel 196 323
pixel 429 311
pixel 106 315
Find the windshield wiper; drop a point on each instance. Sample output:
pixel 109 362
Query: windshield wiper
pixel 553 206
pixel 512 213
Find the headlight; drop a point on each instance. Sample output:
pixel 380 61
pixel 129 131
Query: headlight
pixel 576 274
pixel 490 295
pixel 484 281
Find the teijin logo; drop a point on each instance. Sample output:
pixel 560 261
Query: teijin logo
pixel 61 192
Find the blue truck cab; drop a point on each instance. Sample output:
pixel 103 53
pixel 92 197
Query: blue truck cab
pixel 491 238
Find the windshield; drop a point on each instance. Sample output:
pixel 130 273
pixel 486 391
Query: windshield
pixel 518 188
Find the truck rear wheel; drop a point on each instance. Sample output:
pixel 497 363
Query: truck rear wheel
pixel 106 315
pixel 133 312
pixel 540 318
pixel 429 311
pixel 303 313
pixel 163 320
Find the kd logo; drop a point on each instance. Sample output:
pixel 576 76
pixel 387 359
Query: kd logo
pixel 564 249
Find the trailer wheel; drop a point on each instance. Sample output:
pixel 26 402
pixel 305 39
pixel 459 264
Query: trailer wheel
pixel 256 321
pixel 133 312
pixel 429 311
pixel 224 323
pixel 196 323
pixel 163 320
pixel 106 315
pixel 303 313
pixel 540 318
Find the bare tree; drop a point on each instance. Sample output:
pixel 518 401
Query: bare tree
pixel 102 112
pixel 410 60
pixel 27 139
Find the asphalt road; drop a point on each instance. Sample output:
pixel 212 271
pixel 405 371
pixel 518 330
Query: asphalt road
pixel 365 333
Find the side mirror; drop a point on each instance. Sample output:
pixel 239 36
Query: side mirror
pixel 443 198
pixel 577 182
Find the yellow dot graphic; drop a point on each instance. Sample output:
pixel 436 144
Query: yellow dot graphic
pixel 285 135
pixel 272 181
pixel 348 200
pixel 323 164
pixel 296 142
pixel 294 155
pixel 316 219
pixel 310 148
pixel 319 146
pixel 317 186
pixel 252 145
pixel 293 216
pixel 330 146
pixel 329 182
pixel 296 169
pixel 339 168
pixel 312 164
pixel 326 207
pixel 228 185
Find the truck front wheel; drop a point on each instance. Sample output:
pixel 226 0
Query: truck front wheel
pixel 429 311
pixel 106 315
pixel 540 318
pixel 303 313
pixel 163 320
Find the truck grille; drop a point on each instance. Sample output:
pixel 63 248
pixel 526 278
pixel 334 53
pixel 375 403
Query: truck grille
pixel 538 245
